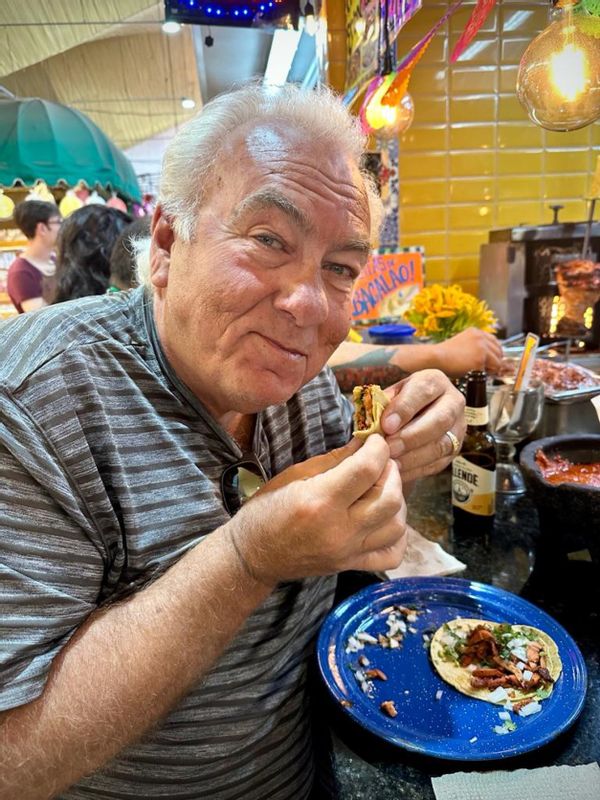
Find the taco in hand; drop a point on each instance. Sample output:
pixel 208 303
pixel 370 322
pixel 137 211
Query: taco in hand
pixel 369 402
pixel 477 657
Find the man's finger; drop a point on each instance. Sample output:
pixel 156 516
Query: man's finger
pixel 413 395
pixel 380 560
pixel 381 501
pixel 429 427
pixel 356 474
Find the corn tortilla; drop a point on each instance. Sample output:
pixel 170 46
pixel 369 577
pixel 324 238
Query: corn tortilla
pixel 460 677
pixel 379 402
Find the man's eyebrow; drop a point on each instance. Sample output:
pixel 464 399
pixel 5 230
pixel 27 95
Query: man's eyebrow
pixel 361 246
pixel 268 198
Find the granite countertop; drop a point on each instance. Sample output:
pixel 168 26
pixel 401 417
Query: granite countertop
pixel 520 559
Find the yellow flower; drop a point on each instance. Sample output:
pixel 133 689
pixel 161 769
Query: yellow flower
pixel 442 311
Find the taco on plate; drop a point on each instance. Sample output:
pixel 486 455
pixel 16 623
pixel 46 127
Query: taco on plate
pixel 369 402
pixel 478 657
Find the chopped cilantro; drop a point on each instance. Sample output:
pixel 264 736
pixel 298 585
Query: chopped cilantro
pixel 449 653
pixel 510 725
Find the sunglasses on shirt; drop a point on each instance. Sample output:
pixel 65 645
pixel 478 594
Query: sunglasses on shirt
pixel 240 481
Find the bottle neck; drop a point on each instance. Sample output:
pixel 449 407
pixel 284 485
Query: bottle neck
pixel 476 411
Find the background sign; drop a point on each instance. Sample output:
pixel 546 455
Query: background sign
pixel 388 283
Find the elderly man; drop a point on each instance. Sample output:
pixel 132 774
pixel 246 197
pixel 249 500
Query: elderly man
pixel 157 632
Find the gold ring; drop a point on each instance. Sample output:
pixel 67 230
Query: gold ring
pixel 454 442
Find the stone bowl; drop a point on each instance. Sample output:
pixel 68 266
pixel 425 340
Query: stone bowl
pixel 569 513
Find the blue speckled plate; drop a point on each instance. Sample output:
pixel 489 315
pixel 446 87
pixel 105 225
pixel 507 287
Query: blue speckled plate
pixel 444 727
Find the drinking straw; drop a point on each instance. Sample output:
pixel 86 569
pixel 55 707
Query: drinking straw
pixel 524 371
pixel 522 378
pixel 526 363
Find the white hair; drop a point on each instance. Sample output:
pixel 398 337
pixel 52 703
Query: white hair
pixel 192 155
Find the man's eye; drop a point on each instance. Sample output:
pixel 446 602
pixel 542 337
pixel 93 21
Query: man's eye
pixel 269 241
pixel 342 270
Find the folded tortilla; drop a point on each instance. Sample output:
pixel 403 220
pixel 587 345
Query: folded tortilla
pixel 446 645
pixel 369 402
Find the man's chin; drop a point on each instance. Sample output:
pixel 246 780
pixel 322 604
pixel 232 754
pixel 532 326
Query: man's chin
pixel 270 392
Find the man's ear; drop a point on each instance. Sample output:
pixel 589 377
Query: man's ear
pixel 160 249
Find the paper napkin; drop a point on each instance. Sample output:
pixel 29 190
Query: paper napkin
pixel 423 557
pixel 545 783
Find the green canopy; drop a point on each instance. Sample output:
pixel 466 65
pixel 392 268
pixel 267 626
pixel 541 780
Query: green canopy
pixel 48 141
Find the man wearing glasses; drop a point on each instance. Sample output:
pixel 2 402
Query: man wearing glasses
pixel 157 628
pixel 30 279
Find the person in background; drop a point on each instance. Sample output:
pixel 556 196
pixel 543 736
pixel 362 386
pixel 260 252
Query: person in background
pixel 122 258
pixel 362 362
pixel 157 629
pixel 83 253
pixel 31 276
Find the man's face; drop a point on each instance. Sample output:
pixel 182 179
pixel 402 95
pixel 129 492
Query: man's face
pixel 49 230
pixel 252 308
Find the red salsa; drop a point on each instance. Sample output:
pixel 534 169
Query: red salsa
pixel 560 470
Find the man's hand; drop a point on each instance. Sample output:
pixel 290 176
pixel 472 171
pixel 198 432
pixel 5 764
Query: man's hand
pixel 471 349
pixel 422 408
pixel 343 510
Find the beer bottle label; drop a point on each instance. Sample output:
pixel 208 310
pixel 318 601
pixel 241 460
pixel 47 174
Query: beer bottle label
pixel 473 488
pixel 477 416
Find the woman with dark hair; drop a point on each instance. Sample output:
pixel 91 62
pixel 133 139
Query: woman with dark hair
pixel 85 243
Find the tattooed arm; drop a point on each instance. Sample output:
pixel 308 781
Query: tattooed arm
pixel 354 363
pixel 471 349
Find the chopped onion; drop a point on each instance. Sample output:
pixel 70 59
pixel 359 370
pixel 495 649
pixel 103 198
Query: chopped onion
pixel 353 645
pixel 518 641
pixel 529 709
pixel 521 666
pixel 519 653
pixel 504 715
pixel 500 730
pixel 527 675
pixel 363 636
pixel 499 695
pixel 438 694
pixel 472 739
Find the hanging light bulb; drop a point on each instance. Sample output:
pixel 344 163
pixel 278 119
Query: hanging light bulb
pixel 558 82
pixel 381 120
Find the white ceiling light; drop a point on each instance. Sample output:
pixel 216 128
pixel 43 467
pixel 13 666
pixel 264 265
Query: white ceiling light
pixel 170 26
pixel 188 102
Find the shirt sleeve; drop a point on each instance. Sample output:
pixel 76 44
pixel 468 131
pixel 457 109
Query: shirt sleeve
pixel 50 577
pixel 24 282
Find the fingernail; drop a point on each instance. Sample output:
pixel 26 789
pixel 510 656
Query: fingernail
pixel 391 423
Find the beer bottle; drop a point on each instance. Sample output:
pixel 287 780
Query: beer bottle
pixel 474 469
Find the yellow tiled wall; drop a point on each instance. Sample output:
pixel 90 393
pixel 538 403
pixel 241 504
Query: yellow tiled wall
pixel 472 160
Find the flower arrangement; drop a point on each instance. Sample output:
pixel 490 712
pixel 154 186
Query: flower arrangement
pixel 440 312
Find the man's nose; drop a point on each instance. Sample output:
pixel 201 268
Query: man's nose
pixel 304 296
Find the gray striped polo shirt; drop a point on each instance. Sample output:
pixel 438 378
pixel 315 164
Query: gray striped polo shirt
pixel 109 471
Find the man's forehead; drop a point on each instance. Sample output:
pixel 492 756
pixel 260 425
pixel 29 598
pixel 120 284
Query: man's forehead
pixel 266 165
pixel 273 146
